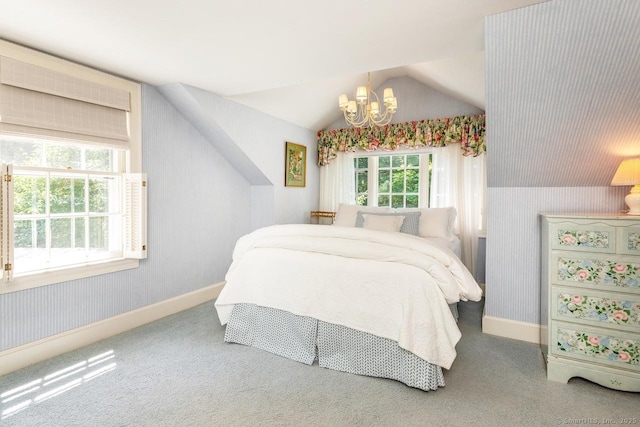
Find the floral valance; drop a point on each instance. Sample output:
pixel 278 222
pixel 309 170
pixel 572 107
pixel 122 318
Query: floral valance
pixel 468 131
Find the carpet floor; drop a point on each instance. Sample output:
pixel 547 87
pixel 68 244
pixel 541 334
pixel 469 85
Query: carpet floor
pixel 177 371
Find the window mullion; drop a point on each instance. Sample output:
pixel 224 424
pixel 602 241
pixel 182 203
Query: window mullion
pixel 404 182
pixel 87 226
pixel 72 208
pixel 47 209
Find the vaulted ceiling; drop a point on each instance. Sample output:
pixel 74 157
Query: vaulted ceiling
pixel 288 58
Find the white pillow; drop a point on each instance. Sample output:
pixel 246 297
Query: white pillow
pixel 434 222
pixel 383 223
pixel 347 214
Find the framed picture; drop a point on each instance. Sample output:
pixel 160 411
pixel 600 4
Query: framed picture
pixel 295 165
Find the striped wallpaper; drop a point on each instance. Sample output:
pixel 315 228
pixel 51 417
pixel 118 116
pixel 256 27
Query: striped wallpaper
pixel 513 241
pixel 563 92
pixel 563 102
pixel 198 206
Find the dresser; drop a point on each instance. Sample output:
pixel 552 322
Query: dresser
pixel 590 298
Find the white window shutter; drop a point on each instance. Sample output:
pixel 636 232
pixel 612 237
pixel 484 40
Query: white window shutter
pixel 135 215
pixel 6 222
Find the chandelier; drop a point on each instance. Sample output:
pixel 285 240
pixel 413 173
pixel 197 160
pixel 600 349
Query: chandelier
pixel 366 108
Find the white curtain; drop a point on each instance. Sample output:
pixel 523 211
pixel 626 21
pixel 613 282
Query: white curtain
pixel 337 182
pixel 460 182
pixel 456 181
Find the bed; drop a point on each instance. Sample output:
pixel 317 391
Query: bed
pixel 356 297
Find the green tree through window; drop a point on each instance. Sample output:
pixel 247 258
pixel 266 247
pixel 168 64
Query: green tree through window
pixel 394 180
pixel 66 202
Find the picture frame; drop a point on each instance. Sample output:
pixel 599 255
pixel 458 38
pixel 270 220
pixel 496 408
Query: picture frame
pixel 295 165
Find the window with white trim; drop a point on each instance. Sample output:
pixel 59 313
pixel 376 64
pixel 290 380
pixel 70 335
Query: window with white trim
pixel 399 180
pixel 73 198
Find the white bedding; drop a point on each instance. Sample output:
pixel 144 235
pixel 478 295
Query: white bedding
pixel 452 243
pixel 392 285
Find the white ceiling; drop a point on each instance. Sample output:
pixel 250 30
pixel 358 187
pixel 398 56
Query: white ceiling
pixel 288 58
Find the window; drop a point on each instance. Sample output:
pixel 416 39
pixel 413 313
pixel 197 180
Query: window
pixel 73 200
pixel 66 203
pixel 395 180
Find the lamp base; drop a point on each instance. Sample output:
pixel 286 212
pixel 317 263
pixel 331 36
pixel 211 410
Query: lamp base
pixel 633 200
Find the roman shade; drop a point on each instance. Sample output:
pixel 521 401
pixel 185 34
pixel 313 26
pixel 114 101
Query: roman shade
pixel 41 102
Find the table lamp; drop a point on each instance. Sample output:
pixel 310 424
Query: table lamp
pixel 628 173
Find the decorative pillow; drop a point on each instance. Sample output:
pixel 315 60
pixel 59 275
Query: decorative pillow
pixel 383 223
pixel 410 224
pixel 346 215
pixel 434 222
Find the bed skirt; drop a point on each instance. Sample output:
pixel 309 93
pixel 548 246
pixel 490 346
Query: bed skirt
pixel 305 339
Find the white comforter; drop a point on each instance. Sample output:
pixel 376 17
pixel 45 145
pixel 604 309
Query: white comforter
pixel 392 285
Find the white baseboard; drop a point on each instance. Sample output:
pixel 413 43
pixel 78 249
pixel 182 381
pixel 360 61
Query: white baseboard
pixel 522 331
pixel 38 351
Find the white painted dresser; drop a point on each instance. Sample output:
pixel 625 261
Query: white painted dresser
pixel 590 298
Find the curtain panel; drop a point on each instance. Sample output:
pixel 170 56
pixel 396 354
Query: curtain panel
pixel 460 182
pixel 468 131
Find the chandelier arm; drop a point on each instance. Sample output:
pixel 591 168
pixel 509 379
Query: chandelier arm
pixel 363 113
pixel 357 119
pixel 384 114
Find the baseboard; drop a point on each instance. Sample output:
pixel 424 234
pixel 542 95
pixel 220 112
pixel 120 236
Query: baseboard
pixel 38 351
pixel 507 328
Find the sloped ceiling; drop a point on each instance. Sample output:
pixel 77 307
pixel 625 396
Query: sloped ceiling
pixel 287 58
pixel 563 93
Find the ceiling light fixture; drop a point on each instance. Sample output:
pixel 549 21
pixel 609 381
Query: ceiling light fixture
pixel 366 108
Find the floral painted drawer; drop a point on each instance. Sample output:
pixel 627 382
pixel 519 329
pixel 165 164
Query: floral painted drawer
pixel 621 311
pixel 590 299
pixel 629 240
pixel 589 238
pixel 608 347
pixel 604 272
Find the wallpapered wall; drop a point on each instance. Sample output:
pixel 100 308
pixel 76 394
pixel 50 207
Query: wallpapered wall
pixel 198 206
pixel 513 241
pixel 262 138
pixel 559 98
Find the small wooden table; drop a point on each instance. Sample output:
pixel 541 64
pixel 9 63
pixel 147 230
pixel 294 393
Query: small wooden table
pixel 317 215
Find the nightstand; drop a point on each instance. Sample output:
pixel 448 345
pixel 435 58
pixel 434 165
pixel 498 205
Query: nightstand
pixel 321 217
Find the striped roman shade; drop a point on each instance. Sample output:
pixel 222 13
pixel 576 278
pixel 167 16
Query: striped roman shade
pixel 37 101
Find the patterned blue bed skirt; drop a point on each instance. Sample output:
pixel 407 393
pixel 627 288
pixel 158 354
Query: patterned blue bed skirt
pixel 305 339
